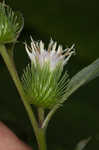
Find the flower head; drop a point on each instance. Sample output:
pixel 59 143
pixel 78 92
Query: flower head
pixel 43 81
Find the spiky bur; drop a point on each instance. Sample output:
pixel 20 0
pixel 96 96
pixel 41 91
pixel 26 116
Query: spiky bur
pixel 11 23
pixel 42 80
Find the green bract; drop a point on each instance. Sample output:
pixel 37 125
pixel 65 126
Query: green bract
pixel 11 24
pixel 44 88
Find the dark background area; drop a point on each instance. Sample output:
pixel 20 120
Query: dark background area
pixel 68 22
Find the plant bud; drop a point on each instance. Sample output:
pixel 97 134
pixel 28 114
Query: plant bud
pixel 11 23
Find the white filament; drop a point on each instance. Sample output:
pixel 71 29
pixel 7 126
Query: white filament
pixel 52 55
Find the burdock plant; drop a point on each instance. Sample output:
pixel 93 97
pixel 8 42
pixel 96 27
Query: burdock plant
pixel 43 83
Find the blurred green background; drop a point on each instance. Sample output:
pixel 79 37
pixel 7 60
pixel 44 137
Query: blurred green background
pixel 68 22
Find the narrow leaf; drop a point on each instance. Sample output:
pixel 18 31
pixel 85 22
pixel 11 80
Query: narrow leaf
pixel 84 76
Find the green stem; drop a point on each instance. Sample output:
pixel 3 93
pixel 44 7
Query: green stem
pixel 40 116
pixel 11 67
pixel 42 139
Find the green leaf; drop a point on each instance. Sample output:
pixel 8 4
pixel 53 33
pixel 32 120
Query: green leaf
pixel 84 76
